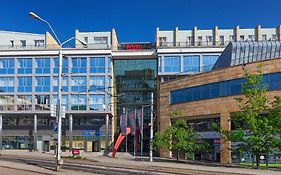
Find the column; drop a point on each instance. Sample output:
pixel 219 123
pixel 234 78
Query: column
pixel 216 36
pixel 237 33
pixel 278 32
pixel 106 133
pixel 35 133
pixel 225 157
pixel 70 131
pixel 176 37
pixel 157 37
pixel 195 36
pixel 258 33
pixel 1 134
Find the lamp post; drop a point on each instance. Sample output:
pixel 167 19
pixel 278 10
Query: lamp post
pixel 59 105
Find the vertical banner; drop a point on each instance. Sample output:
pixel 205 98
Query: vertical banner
pixel 140 120
pixel 123 123
pixel 132 122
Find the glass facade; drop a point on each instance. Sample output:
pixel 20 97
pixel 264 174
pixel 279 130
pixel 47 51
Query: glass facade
pixel 237 53
pixel 97 64
pixel 186 63
pixel 86 82
pixel 7 66
pixel 6 84
pixel 135 80
pixel 220 89
pixel 79 65
pixel 25 66
pixel 172 64
pixel 42 65
pixel 191 63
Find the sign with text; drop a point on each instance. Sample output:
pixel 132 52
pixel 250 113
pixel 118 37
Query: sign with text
pixel 136 46
pixel 91 133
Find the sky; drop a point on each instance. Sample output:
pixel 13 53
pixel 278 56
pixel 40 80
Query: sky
pixel 136 20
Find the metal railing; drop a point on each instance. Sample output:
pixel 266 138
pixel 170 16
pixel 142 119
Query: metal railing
pixel 54 47
pixel 193 44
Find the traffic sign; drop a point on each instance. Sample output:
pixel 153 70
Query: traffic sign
pixel 53 109
pixel 55 127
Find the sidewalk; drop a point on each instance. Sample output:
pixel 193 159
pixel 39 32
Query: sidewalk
pixel 126 160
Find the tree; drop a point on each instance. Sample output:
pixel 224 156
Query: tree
pixel 257 127
pixel 178 137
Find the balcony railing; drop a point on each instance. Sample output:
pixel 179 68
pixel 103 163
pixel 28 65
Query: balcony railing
pixel 193 44
pixel 54 47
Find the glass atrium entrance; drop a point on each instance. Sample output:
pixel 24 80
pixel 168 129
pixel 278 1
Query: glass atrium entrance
pixel 135 81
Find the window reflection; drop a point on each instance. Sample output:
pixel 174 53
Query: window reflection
pixel 24 102
pixel 24 66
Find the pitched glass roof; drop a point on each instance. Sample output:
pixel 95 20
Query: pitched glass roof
pixel 244 52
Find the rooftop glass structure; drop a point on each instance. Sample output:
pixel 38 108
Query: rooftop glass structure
pixel 237 53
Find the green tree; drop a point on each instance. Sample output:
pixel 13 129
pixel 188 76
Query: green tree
pixel 178 137
pixel 257 125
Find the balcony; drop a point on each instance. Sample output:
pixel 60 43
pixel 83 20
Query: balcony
pixel 54 47
pixel 193 44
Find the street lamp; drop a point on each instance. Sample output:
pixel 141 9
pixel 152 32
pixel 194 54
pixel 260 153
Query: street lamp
pixel 59 162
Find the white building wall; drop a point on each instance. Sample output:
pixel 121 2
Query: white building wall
pixel 92 35
pixel 268 33
pixel 168 34
pixel 184 34
pixel 246 33
pixel 7 36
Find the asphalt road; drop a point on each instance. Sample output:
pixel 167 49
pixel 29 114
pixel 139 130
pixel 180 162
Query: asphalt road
pixel 97 168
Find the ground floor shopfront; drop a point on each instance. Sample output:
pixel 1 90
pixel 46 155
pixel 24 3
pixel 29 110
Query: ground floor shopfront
pixel 88 132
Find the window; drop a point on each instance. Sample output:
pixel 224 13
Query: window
pixel 96 102
pixel 209 61
pixel 264 37
pixel 86 39
pixel 172 64
pixel 7 66
pixel 242 37
pixel 42 102
pixel 23 43
pixel 231 38
pixel 209 40
pixel 78 102
pixel 12 43
pixel 24 84
pixel 78 84
pixel 79 65
pixel 64 65
pixel 221 40
pixel 163 41
pixel 189 41
pixel 97 83
pixel 97 65
pixel 101 40
pixel 6 84
pixel 42 84
pixel 251 37
pixel 42 65
pixel 274 37
pixel 191 63
pixel 199 40
pixel 220 89
pixel 64 101
pixel 24 102
pixel 39 43
pixel 24 66
pixel 64 84
pixel 6 102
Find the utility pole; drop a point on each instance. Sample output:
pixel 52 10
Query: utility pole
pixel 151 129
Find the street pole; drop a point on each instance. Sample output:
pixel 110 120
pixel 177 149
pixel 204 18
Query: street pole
pixel 58 155
pixel 141 131
pixel 151 129
pixel 106 134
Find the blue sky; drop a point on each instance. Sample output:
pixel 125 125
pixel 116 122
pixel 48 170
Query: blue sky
pixel 136 20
